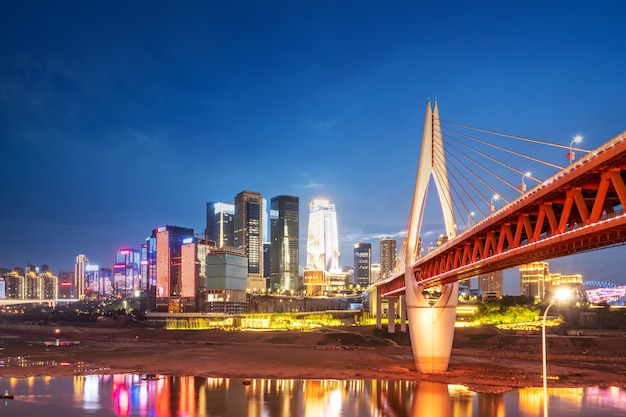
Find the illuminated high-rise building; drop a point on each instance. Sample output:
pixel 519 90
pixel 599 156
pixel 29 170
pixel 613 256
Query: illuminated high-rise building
pixel 491 285
pixel 80 275
pixel 362 264
pixel 169 266
pixel 534 278
pixel 285 242
pixel 220 223
pixel 249 235
pixel 387 256
pixel 126 273
pixel 322 246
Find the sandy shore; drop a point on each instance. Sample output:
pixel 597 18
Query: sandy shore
pixel 481 359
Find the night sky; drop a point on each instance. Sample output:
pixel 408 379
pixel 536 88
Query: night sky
pixel 118 117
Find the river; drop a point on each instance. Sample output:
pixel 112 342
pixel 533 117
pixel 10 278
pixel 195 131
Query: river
pixel 126 395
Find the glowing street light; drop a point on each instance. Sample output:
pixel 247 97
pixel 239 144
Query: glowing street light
pixel 561 295
pixel 491 206
pixel 571 155
pixel 469 217
pixel 522 187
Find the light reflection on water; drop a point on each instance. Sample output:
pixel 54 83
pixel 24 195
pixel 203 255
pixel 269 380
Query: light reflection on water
pixel 126 395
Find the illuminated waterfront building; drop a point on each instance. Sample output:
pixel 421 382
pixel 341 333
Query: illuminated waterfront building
pixel 285 243
pixel 80 275
pixel 126 273
pixel 572 282
pixel 322 248
pixel 491 285
pixel 220 223
pixel 362 264
pixel 249 235
pixel 165 267
pixel 533 279
pixel 375 273
pixel 387 257
pixel 66 280
pixel 226 281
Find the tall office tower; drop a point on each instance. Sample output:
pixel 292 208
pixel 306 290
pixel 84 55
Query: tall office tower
pixel 285 240
pixel 249 229
pixel 491 285
pixel 362 264
pixel 375 273
pixel 126 273
pixel 387 256
pixel 533 279
pixel 80 275
pixel 66 279
pixel 165 270
pixel 267 250
pixel 322 246
pixel 220 226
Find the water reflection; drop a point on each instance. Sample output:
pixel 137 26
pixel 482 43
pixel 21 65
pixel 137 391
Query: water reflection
pixel 127 395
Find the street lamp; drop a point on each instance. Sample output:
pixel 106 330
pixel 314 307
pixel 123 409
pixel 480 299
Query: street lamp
pixel 562 294
pixel 470 216
pixel 491 206
pixel 571 154
pixel 522 187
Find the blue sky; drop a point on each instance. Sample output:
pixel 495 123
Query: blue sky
pixel 117 117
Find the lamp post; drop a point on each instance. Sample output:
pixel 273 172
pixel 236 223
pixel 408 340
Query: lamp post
pixel 571 154
pixel 561 295
pixel 491 206
pixel 469 217
pixel 522 187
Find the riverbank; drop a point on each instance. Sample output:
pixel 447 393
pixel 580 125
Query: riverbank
pixel 482 358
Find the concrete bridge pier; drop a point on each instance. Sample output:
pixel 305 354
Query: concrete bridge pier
pixel 431 327
pixel 391 314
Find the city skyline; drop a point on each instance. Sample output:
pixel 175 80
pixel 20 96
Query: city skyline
pixel 112 124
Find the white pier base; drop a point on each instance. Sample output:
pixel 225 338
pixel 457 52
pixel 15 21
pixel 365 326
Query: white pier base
pixel 432 327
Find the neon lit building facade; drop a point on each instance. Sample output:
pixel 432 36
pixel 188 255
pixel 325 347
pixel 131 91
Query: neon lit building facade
pixel 285 243
pixel 80 276
pixel 167 278
pixel 126 273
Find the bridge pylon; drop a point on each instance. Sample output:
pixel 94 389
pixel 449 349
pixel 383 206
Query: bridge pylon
pixel 431 326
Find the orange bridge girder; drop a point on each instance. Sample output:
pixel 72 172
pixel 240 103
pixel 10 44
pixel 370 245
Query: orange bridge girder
pixel 579 209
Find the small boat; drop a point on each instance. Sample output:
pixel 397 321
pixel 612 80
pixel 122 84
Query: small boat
pixel 6 395
pixel 246 381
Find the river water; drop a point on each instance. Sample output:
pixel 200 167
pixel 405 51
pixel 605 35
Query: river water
pixel 125 395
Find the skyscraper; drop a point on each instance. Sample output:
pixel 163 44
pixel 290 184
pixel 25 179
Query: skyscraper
pixel 322 246
pixel 491 285
pixel 80 275
pixel 387 256
pixel 220 226
pixel 285 242
pixel 166 274
pixel 126 273
pixel 249 234
pixel 533 279
pixel 362 264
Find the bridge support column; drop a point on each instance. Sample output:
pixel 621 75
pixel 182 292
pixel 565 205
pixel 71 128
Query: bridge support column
pixel 391 314
pixel 379 309
pixel 402 308
pixel 432 327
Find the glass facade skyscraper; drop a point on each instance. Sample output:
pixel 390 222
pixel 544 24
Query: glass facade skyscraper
pixel 285 242
pixel 362 264
pixel 322 247
pixel 249 229
pixel 165 266
pixel 220 226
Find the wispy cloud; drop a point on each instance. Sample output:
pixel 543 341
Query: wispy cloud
pixel 310 184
